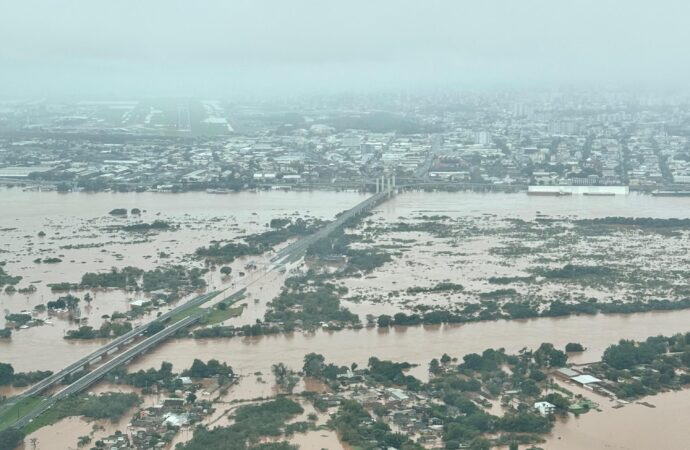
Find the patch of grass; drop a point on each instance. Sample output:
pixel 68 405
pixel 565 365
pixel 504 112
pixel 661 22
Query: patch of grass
pixel 111 405
pixel 183 315
pixel 9 417
pixel 188 312
pixel 219 315
pixel 224 310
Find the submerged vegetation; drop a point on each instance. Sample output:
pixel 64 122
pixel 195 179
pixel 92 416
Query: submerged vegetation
pixel 251 423
pixel 490 310
pixel 109 405
pixel 6 279
pixel 564 270
pixel 309 305
pixel 639 222
pixel 339 245
pixel 20 379
pixel 143 227
pixel 256 244
pixel 573 271
pixel 109 329
pixel 174 281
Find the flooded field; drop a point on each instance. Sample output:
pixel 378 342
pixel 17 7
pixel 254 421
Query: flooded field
pixel 519 249
pixel 423 260
pixel 80 232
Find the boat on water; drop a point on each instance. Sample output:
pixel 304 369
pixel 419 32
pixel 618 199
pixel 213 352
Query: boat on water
pixel 671 193
pixel 549 193
pixel 599 194
pixel 559 190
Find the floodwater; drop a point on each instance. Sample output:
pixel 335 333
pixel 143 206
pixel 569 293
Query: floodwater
pixel 470 253
pixel 65 433
pixel 634 427
pixel 525 206
pixel 418 344
pixel 81 222
pixel 40 348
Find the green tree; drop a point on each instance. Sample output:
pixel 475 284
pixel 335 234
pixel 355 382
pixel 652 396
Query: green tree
pixel 435 366
pixel 6 373
pixel 284 377
pixel 574 347
pixel 620 356
pixel 685 357
pixel 547 355
pixel 153 328
pixel 313 365
pixel 472 361
pixel 10 438
pixel 198 369
pixel 560 402
pixel 385 320
pixel 480 443
pixel 530 387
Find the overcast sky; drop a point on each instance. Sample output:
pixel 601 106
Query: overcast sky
pixel 222 48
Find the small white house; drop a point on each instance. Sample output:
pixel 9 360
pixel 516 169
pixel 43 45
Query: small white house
pixel 586 380
pixel 544 408
pixel 186 381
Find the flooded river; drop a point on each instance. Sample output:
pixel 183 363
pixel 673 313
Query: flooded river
pixel 526 206
pixel 419 344
pixel 43 347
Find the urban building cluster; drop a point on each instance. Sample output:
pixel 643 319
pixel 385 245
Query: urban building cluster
pixel 493 139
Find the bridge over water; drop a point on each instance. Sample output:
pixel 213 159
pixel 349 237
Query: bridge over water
pixel 128 346
pixel 297 248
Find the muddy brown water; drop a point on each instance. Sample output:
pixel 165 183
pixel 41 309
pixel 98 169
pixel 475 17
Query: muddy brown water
pixel 41 349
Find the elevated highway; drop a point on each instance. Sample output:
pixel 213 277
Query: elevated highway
pixel 104 351
pixel 95 375
pixel 113 345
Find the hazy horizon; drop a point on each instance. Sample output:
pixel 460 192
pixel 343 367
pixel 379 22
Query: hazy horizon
pixel 126 48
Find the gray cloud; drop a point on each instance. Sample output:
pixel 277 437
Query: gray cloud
pixel 206 47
